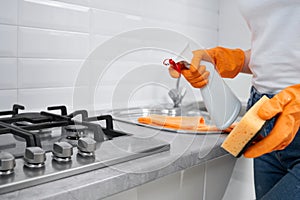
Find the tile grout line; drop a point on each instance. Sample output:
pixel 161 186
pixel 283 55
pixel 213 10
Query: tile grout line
pixel 18 91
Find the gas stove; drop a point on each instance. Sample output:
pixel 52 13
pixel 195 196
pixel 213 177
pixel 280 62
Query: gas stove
pixel 38 147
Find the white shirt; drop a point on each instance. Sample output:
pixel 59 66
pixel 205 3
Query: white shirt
pixel 275 45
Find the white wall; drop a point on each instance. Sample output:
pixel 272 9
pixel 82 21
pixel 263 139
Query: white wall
pixel 44 43
pixel 234 33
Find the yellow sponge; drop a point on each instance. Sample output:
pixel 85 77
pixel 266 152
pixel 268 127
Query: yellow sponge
pixel 245 131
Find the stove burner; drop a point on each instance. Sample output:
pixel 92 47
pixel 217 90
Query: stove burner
pixel 45 133
pixel 74 132
pixel 76 128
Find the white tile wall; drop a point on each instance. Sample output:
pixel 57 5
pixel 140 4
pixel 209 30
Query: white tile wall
pixel 96 40
pixel 8 11
pixel 8 75
pixel 76 2
pixel 54 15
pixel 8 41
pixel 44 44
pixel 47 73
pixel 130 7
pixel 180 13
pixel 234 33
pixel 117 23
pixel 35 99
pixel 7 98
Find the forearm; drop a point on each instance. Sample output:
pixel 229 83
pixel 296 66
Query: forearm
pixel 245 68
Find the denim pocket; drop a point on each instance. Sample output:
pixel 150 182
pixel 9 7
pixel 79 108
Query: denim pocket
pixel 254 97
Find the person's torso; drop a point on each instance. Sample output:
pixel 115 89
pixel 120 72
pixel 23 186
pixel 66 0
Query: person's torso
pixel 275 47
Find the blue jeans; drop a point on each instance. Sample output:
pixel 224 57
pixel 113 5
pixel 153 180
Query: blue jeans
pixel 276 174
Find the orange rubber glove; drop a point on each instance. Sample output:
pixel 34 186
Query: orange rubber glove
pixel 196 76
pixel 228 62
pixel 286 105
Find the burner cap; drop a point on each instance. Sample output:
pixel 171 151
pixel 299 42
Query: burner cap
pixel 76 128
pixel 74 132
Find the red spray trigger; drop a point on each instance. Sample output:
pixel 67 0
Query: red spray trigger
pixel 174 65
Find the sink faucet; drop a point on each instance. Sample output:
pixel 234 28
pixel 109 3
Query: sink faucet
pixel 177 94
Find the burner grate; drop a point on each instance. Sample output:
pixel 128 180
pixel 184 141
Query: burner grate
pixel 27 124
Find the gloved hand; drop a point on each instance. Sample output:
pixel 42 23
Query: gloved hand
pixel 196 76
pixel 286 105
pixel 228 63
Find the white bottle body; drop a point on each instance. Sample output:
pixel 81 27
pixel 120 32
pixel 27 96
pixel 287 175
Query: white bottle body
pixel 221 103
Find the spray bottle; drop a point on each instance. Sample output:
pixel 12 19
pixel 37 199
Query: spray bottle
pixel 221 103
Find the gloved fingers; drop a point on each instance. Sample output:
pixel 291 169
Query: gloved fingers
pixel 200 84
pixel 204 54
pixel 200 77
pixel 173 73
pixel 280 137
pixel 274 106
pixel 258 149
pixel 194 72
pixel 197 80
pixel 197 57
pixel 199 70
pixel 266 145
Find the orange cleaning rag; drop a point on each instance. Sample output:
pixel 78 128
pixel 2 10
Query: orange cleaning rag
pixel 196 123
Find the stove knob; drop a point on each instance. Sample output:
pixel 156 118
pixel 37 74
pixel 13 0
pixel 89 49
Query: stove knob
pixel 86 146
pixel 7 163
pixel 34 157
pixel 62 151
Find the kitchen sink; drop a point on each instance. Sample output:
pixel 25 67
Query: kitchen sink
pixel 191 109
pixel 131 115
